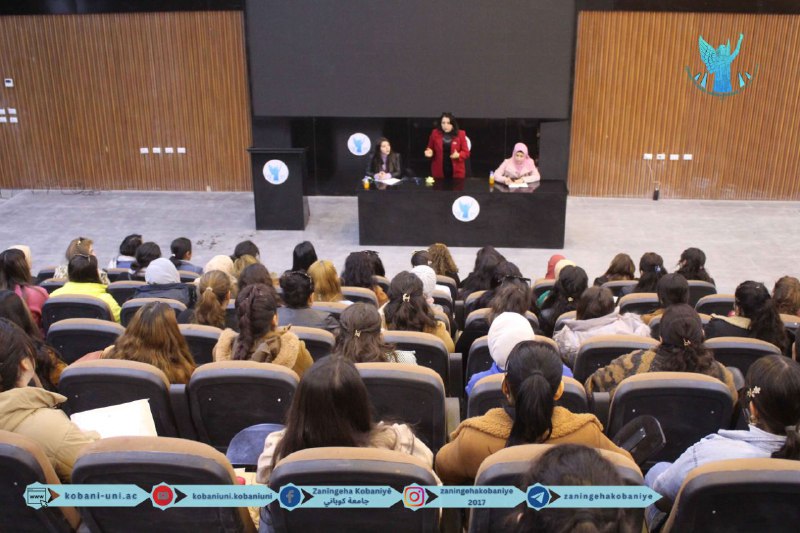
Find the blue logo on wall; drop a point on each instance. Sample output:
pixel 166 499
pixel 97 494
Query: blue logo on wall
pixel 275 171
pixel 466 209
pixel 718 62
pixel 358 144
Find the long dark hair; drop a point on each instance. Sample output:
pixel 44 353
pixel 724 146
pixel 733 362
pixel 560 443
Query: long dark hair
pixel 358 271
pixel 672 289
pixel 256 306
pixel 407 309
pixel 533 375
pixel 621 268
pixel 15 346
pixel 303 256
pixel 652 268
pixel 83 269
pixel 682 348
pixel 773 385
pixel 453 121
pixel 331 407
pixel 513 295
pixel 594 303
pixel 692 265
pixel 480 279
pixel 252 274
pixel 376 161
pixel 14 270
pixel 754 302
pixel 180 247
pixel 359 338
pixel 572 281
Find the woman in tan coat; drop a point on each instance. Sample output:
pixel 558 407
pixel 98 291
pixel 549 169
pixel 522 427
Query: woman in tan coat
pixel 532 385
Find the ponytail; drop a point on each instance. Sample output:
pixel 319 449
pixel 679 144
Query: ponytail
pixel 533 417
pixel 256 307
pixel 790 448
pixel 754 303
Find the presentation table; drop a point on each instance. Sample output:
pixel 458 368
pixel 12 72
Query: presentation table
pixel 413 213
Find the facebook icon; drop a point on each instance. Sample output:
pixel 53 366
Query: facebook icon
pixel 290 497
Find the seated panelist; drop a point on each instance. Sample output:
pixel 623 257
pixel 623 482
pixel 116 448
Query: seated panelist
pixel 519 168
pixel 384 163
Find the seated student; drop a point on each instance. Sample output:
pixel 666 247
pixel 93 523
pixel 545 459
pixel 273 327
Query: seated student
pixel 224 264
pixel 243 262
pixel 755 316
pixel 442 262
pixel 421 257
pixel 79 245
pixel 573 464
pixel 620 269
pixel 32 411
pixel 84 281
pixel 407 309
pixel 772 399
pixel 303 256
pixel 327 287
pixel 15 275
pixel 513 295
pixel 570 284
pixel 692 265
pixel 48 361
pixel 146 253
pixel 672 289
pixel 559 266
pixel 163 281
pixel 212 301
pixel 253 274
pixel 595 315
pixel 681 350
pixel 359 271
pixel 786 295
pixel 246 248
pixel 651 269
pixel 384 164
pixel 153 337
pixel 532 384
pixel 507 330
pixel 127 252
pixel 505 270
pixel 360 339
pixel 480 279
pixel 181 249
pixel 519 168
pixel 259 338
pixel 298 291
pixel 428 278
pixel 551 266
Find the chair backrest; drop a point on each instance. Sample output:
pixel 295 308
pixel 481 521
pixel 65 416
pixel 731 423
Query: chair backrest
pixel 562 319
pixel 541 286
pixel 699 289
pixel 487 394
pixel 408 393
pixel 201 340
pixel 246 446
pixel 471 301
pixel 52 284
pixel 228 396
pixel 147 462
pixel 617 287
pixel 45 273
pixel 360 294
pixel 352 466
pixel 75 337
pixel 23 462
pixel 118 274
pixel 130 307
pixel 688 406
pixel 429 350
pixel 318 341
pixel 334 308
pixel 123 290
pixel 599 351
pixel 655 324
pixel 639 303
pixel 61 307
pixel 791 323
pixel 450 283
pixel 717 304
pixel 443 318
pixel 104 382
pixel 382 281
pixel 740 352
pixel 445 300
pixel 509 467
pixel 187 276
pixel 739 495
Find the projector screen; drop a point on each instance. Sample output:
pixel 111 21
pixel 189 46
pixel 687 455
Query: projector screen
pixel 411 58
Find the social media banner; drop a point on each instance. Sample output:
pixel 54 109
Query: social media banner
pixel 38 495
pixel 223 495
pixel 581 496
pixel 417 496
pixel 337 497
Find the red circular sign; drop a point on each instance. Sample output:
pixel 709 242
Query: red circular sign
pixel 162 495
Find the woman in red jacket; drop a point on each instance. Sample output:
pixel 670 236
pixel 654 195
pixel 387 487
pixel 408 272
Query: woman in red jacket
pixel 448 147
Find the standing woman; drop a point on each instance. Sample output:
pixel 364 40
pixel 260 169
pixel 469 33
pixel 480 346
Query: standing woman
pixel 519 168
pixel 447 148
pixel 384 164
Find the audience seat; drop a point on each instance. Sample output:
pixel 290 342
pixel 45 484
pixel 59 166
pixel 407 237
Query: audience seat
pixel 444 319
pixel 561 320
pixel 509 467
pixel 123 290
pixel 62 307
pixel 740 352
pixel 541 286
pixel 655 324
pixel 318 341
pixel 147 462
pixel 45 273
pixel 104 382
pixel 717 304
pixel 618 287
pixel 639 302
pixel 688 406
pixel 358 467
pixel 739 495
pixel 130 307
pixel 228 396
pixel 470 303
pixel 52 284
pixel 413 395
pixel 75 337
pixel 334 308
pixel 479 359
pixel 118 274
pixel 791 323
pixel 487 394
pixel 698 289
pixel 599 351
pixel 23 462
pixel 246 446
pixel 430 352
pixel 360 294
pixel 231 316
pixel 201 340
pixel 187 276
pixel 383 282
pixel 450 283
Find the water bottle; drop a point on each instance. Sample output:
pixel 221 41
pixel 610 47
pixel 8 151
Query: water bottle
pixel 491 178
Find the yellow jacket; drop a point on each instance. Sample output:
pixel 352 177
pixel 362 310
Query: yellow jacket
pixel 98 290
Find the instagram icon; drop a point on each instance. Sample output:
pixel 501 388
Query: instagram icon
pixel 414 497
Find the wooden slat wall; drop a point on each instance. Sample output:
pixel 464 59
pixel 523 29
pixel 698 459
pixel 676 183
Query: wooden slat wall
pixel 633 96
pixel 91 90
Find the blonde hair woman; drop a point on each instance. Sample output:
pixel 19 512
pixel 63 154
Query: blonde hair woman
pixel 327 287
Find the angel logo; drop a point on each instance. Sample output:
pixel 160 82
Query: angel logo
pixel 718 62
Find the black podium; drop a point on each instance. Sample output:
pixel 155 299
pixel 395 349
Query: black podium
pixel 278 176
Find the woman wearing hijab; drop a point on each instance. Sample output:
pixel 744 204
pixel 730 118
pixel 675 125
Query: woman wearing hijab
pixel 163 281
pixel 384 163
pixel 447 149
pixel 519 168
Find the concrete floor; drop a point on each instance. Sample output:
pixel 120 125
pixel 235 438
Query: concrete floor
pixel 742 240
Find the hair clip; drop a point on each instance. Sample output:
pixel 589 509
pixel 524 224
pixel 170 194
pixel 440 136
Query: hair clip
pixel 357 333
pixel 752 392
pixel 406 297
pixel 569 299
pixel 687 342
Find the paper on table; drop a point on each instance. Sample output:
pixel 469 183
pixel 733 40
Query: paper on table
pixel 132 419
pixel 517 185
pixel 390 181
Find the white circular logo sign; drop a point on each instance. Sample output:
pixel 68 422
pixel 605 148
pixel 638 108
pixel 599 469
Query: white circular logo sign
pixel 359 144
pixel 275 171
pixel 466 209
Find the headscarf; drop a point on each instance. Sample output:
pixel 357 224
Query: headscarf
pixel 507 330
pixel 428 277
pixel 526 166
pixel 551 266
pixel 223 263
pixel 161 271
pixel 560 266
